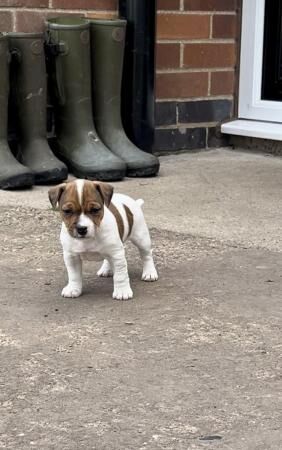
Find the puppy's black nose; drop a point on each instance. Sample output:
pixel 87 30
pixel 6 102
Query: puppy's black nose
pixel 82 231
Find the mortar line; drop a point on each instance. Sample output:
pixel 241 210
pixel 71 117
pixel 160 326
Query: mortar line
pixel 197 13
pixel 14 21
pixel 187 125
pixel 211 26
pixel 209 84
pixel 181 55
pixel 195 70
pixel 194 99
pixel 59 10
pixel 161 40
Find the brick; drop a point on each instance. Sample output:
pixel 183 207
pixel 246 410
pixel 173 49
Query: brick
pixel 224 26
pixel 209 55
pixel 183 26
pixel 179 139
pixel 182 85
pixel 33 21
pixel 204 111
pixel 30 21
pixel 210 5
pixel 25 3
pixel 222 83
pixel 165 113
pixel 85 4
pixel 216 138
pixel 168 4
pixel 6 21
pixel 168 56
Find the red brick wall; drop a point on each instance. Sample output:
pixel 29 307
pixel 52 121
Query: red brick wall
pixel 29 15
pixel 196 59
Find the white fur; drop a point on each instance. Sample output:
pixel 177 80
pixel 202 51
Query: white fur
pixel 85 221
pixel 79 187
pixel 140 202
pixel 104 243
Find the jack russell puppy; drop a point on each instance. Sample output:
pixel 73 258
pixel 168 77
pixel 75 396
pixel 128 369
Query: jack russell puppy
pixel 96 223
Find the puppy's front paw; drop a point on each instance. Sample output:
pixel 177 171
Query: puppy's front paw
pixel 71 291
pixel 150 275
pixel 123 293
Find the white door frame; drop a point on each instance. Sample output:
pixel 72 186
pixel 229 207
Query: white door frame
pixel 251 106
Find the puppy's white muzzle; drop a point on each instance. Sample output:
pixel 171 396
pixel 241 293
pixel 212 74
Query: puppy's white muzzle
pixel 85 228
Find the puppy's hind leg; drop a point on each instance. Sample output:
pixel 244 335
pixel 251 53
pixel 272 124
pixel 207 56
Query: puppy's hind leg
pixel 141 238
pixel 105 270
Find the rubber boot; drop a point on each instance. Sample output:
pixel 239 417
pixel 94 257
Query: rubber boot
pixel 12 174
pixel 77 141
pixel 107 45
pixel 30 91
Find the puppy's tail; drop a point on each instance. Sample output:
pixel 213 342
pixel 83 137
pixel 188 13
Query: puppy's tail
pixel 140 202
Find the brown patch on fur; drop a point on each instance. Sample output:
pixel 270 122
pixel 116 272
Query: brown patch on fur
pixel 106 191
pixel 70 208
pixel 55 194
pixel 130 219
pixel 119 220
pixel 91 200
pixel 66 196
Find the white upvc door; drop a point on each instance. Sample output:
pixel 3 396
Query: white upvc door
pixel 251 106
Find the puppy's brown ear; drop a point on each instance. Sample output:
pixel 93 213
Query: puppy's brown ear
pixel 55 194
pixel 106 191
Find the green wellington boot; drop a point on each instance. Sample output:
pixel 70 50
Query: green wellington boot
pixel 30 97
pixel 12 174
pixel 77 141
pixel 107 47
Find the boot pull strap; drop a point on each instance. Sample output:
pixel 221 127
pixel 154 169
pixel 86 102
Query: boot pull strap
pixel 15 56
pixel 56 49
pixel 53 52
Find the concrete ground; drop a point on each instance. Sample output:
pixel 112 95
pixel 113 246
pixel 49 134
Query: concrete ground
pixel 193 361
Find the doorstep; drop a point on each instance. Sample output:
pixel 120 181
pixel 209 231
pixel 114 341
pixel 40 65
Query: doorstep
pixel 253 128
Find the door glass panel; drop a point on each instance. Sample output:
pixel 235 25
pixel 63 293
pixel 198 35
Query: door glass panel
pixel 272 52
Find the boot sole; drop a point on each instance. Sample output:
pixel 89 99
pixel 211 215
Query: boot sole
pixel 101 175
pixel 51 176
pixel 143 172
pixel 113 175
pixel 18 182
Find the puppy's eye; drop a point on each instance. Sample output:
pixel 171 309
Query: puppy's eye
pixel 68 211
pixel 94 210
